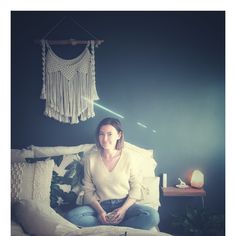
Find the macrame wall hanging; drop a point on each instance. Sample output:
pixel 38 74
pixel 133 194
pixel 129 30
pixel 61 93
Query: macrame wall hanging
pixel 69 85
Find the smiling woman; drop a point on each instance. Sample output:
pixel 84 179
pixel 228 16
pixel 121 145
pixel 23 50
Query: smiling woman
pixel 112 184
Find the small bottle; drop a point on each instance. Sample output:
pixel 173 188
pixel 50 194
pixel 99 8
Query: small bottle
pixel 164 180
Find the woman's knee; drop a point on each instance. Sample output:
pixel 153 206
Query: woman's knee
pixel 75 214
pixel 141 217
pixel 151 215
pixel 154 216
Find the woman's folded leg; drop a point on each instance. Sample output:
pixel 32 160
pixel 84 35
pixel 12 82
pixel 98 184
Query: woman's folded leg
pixel 141 217
pixel 84 216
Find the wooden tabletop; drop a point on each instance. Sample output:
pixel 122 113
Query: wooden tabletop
pixel 183 192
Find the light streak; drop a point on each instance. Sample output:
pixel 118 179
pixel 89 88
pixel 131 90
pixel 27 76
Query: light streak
pixel 117 114
pixel 142 125
pixel 108 110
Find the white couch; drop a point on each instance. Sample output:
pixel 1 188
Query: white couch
pixel 45 182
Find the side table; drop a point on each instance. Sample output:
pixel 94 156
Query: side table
pixel 184 192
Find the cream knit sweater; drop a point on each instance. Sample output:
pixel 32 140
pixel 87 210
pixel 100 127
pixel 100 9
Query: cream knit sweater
pixel 102 184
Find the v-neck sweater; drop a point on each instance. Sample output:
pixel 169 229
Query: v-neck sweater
pixel 101 184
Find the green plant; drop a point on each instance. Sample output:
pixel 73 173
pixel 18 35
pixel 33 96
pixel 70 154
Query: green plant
pixel 199 222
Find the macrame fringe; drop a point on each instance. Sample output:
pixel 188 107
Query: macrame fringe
pixel 69 93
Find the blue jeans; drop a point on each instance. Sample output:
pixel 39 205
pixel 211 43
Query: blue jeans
pixel 137 216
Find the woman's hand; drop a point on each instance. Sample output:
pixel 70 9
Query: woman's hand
pixel 102 218
pixel 118 215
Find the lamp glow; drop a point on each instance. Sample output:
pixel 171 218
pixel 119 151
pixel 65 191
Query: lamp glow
pixel 196 178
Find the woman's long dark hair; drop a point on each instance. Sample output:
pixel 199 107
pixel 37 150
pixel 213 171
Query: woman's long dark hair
pixel 117 125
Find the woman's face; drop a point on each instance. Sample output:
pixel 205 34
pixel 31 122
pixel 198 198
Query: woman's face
pixel 108 136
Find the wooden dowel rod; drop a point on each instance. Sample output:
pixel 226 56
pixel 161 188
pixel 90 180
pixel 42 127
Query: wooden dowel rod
pixel 71 41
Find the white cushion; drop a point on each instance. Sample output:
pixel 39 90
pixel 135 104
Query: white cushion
pixel 19 155
pixel 145 161
pixel 150 192
pixel 145 152
pixel 31 181
pixel 59 150
pixel 38 219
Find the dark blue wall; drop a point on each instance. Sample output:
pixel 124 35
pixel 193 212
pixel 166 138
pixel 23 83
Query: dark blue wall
pixel 163 69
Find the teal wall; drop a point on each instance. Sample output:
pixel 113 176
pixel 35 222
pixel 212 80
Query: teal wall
pixel 163 69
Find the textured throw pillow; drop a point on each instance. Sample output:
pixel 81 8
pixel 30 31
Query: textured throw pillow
pixel 66 182
pixel 31 181
pixel 150 191
pixel 146 153
pixel 145 161
pixel 39 219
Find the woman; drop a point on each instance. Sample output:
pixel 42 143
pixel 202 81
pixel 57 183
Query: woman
pixel 111 184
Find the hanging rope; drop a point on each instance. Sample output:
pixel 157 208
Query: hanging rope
pixel 83 28
pixel 54 27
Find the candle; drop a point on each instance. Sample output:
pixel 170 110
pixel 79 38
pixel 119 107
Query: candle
pixel 164 180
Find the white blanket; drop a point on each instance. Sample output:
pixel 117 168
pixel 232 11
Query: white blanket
pixel 108 231
pixel 40 220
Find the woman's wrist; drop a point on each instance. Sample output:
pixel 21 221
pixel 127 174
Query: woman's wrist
pixel 101 211
pixel 124 208
pixel 96 205
pixel 129 202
